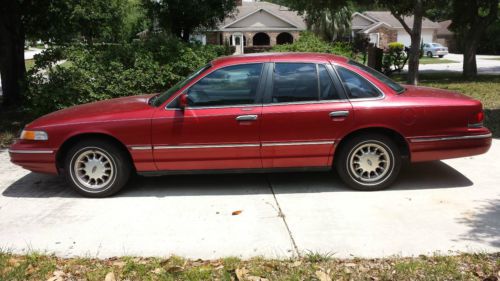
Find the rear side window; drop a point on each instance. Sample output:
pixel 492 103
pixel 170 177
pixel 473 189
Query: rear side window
pixel 232 85
pixel 327 89
pixel 357 87
pixel 295 82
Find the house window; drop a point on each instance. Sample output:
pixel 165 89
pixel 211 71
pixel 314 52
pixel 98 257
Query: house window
pixel 284 38
pixel 261 39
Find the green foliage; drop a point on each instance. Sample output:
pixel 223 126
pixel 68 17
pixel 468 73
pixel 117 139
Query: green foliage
pixel 308 42
pixel 104 71
pixel 394 59
pixel 182 17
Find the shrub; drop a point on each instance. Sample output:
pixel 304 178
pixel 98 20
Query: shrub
pixel 394 59
pixel 308 42
pixel 112 70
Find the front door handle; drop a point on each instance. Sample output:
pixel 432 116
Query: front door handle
pixel 337 114
pixel 246 118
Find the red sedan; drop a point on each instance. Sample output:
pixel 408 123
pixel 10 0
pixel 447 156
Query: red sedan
pixel 263 112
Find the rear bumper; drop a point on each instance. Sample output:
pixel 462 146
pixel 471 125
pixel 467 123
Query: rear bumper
pixel 441 53
pixel 437 148
pixel 36 160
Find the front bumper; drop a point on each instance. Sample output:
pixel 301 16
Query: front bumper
pixel 40 160
pixel 446 147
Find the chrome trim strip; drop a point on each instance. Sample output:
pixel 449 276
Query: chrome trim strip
pixel 145 147
pixel 205 146
pixel 305 102
pixel 298 143
pixel 484 136
pixel 31 151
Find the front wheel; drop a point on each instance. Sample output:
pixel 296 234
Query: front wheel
pixel 368 163
pixel 429 54
pixel 97 168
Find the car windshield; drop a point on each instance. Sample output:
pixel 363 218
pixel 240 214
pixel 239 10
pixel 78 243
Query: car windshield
pixel 161 98
pixel 436 45
pixel 384 79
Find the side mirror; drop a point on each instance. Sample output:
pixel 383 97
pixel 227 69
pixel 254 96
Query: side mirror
pixel 183 101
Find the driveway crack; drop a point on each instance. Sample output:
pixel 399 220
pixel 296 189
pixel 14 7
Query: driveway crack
pixel 282 216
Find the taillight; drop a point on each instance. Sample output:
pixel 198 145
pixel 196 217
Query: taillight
pixel 476 120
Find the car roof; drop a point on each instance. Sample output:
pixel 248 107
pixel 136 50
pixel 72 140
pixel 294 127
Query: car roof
pixel 271 57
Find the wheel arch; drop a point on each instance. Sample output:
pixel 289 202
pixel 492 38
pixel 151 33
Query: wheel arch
pixel 71 141
pixel 397 137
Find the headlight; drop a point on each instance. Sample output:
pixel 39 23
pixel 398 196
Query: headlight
pixel 34 135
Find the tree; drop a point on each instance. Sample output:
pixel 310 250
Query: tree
pixel 12 67
pixel 400 10
pixel 331 25
pixel 470 19
pixel 52 21
pixel 182 17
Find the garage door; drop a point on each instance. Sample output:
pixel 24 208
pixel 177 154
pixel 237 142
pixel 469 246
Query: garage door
pixel 404 37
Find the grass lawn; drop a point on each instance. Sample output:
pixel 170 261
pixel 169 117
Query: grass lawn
pixel 310 267
pixel 427 60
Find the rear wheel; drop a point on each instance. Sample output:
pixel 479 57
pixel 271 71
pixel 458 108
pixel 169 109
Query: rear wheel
pixel 370 162
pixel 97 168
pixel 441 56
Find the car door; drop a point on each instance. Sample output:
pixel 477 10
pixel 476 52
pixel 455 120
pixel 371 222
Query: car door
pixel 305 112
pixel 219 128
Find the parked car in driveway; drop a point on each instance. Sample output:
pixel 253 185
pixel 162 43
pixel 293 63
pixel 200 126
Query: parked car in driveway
pixel 260 112
pixel 435 49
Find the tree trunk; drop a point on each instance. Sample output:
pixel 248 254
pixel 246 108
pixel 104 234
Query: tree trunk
pixel 414 57
pixel 185 35
pixel 12 68
pixel 470 65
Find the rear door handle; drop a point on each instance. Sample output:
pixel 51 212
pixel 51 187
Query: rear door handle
pixel 336 114
pixel 246 118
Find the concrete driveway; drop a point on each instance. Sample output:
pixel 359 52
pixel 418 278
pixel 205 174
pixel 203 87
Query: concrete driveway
pixel 444 206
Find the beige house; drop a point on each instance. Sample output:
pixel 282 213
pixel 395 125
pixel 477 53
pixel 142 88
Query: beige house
pixel 258 25
pixel 383 28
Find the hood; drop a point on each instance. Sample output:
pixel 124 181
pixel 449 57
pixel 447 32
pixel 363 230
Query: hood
pixel 427 92
pixel 96 111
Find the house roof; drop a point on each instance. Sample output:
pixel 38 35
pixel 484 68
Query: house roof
pixel 444 28
pixel 387 18
pixel 248 9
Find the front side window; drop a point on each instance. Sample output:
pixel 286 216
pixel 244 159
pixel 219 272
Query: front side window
pixel 357 87
pixel 295 82
pixel 232 85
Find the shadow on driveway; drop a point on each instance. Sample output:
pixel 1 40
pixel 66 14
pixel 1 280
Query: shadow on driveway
pixel 483 223
pixel 429 175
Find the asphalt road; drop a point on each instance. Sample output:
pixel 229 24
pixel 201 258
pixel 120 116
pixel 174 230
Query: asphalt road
pixel 443 207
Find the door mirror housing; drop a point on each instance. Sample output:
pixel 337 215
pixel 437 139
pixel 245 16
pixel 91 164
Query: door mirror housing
pixel 183 101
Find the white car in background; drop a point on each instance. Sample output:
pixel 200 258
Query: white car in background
pixel 435 49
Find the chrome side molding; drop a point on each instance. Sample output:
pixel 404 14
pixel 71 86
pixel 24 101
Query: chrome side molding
pixel 31 151
pixel 484 136
pixel 297 143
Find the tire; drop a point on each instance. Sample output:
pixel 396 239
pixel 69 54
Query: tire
pixel 109 164
pixel 429 54
pixel 349 164
pixel 441 56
